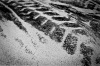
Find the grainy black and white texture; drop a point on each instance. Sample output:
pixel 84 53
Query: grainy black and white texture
pixel 70 44
pixel 65 33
